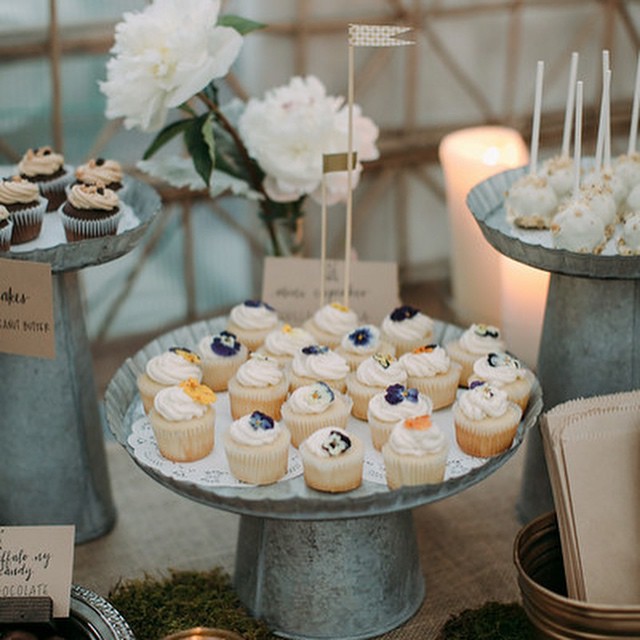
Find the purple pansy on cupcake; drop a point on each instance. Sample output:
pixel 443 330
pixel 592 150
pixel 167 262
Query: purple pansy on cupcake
pixel 397 393
pixel 225 344
pixel 403 313
pixel 260 421
pixel 336 443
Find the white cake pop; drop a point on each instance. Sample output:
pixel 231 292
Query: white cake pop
pixel 576 228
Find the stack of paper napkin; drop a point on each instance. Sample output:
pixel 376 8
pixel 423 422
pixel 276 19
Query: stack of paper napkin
pixel 592 448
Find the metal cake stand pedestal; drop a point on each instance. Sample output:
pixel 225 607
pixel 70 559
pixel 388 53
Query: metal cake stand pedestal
pixel 54 467
pixel 592 318
pixel 313 565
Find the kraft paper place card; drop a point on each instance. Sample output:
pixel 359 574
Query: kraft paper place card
pixel 292 286
pixel 26 309
pixel 37 561
pixel 592 447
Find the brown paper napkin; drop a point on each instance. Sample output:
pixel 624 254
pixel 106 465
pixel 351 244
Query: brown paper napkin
pixel 592 448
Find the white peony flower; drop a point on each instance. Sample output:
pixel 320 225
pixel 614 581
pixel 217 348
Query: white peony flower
pixel 288 132
pixel 163 56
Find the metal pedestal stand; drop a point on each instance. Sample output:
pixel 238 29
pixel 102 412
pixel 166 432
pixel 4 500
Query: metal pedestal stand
pixel 592 318
pixel 313 565
pixel 54 467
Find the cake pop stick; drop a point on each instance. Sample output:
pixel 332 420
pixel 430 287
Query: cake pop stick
pixel 602 118
pixel 569 107
pixel 535 131
pixel 633 129
pixel 607 122
pixel 577 143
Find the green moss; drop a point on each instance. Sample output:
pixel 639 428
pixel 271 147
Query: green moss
pixel 156 607
pixel 491 621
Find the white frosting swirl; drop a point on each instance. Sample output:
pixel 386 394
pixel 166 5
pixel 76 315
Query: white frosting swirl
pixel 174 404
pixel 481 339
pixel 414 328
pixel 426 362
pixel 170 368
pixel 254 316
pixel 243 432
pixel 325 365
pixel 18 189
pixel 311 399
pixel 483 401
pixel 499 369
pixel 287 340
pixel 416 442
pixel 83 196
pixel 259 371
pixel 40 162
pixel 99 170
pixel 381 410
pixel 381 371
pixel 335 319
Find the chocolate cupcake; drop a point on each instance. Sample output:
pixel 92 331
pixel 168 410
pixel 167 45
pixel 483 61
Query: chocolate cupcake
pixel 6 228
pixel 46 168
pixel 90 212
pixel 23 201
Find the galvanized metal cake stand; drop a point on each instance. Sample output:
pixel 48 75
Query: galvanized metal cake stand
pixel 589 340
pixel 54 467
pixel 314 565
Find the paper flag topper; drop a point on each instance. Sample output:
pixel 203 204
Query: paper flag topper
pixel 338 162
pixel 377 35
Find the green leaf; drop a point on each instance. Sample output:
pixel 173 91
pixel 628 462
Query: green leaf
pixel 241 25
pixel 207 135
pixel 198 148
pixel 167 134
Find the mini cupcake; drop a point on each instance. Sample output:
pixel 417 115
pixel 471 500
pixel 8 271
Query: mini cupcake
pixel 372 376
pixel 221 356
pixel 395 403
pixel 313 407
pixel 475 342
pixel 433 373
pixel 251 322
pixel 259 384
pixel 100 171
pixel 330 323
pixel 23 201
pixel 315 363
pixel 283 343
pixel 332 460
pixel 362 342
pixel 406 329
pixel 46 169
pixel 90 212
pixel 257 449
pixel 183 421
pixel 506 372
pixel 485 420
pixel 166 370
pixel 6 228
pixel 416 453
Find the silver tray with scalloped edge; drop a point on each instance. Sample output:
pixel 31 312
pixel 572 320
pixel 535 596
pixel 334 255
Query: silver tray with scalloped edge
pixel 291 499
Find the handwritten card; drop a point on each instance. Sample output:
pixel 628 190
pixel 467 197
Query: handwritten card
pixel 26 309
pixel 292 286
pixel 38 561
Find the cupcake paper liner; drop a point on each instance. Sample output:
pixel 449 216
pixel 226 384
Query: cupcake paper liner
pixel 55 190
pixel 77 229
pixel 27 223
pixel 409 470
pixel 337 473
pixel 184 441
pixel 488 437
pixel 441 389
pixel 245 400
pixel 5 236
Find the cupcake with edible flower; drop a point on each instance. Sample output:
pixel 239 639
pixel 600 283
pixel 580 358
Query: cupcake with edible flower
pixel 506 372
pixel 430 369
pixel 259 384
pixel 283 343
pixel 166 370
pixel 415 453
pixel 315 363
pixel 361 343
pixel 6 228
pixel 372 376
pixel 257 448
pixel 221 356
pixel 407 328
pixel 251 321
pixel 332 460
pixel 485 420
pixel 46 168
pixel 394 403
pixel 330 323
pixel 90 212
pixel 26 205
pixel 183 421
pixel 313 407
pixel 476 341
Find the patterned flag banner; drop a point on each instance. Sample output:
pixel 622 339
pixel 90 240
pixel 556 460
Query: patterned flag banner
pixel 332 162
pixel 377 35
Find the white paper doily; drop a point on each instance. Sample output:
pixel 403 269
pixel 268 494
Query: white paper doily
pixel 213 471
